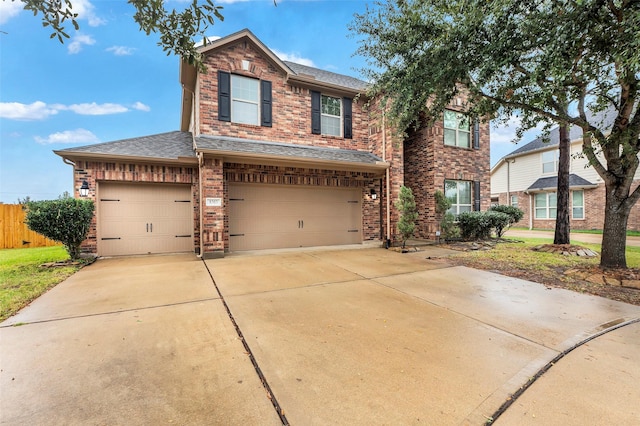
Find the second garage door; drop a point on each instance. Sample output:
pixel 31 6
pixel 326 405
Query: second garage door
pixel 144 219
pixel 263 217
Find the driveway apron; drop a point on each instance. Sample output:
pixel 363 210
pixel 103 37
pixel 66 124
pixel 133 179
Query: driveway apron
pixel 133 341
pixel 377 337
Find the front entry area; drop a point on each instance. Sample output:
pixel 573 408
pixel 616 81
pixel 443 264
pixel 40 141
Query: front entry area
pixel 268 217
pixel 144 219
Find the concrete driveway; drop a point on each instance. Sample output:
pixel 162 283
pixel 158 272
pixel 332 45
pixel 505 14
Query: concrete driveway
pixel 352 336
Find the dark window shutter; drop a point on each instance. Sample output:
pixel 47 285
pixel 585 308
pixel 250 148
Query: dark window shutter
pixel 265 112
pixel 224 96
pixel 476 134
pixel 348 131
pixel 476 195
pixel 315 113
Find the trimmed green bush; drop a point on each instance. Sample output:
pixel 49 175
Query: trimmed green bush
pixel 514 213
pixel 479 225
pixel 66 220
pixel 406 204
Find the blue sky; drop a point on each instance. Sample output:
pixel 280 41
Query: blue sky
pixel 110 81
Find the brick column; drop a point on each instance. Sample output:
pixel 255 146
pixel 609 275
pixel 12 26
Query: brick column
pixel 212 207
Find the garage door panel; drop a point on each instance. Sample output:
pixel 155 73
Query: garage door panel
pixel 264 216
pixel 144 218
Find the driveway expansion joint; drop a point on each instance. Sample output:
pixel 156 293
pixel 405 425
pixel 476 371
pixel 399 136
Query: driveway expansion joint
pixel 616 324
pixel 254 362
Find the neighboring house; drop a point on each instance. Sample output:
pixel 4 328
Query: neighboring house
pixel 528 179
pixel 273 154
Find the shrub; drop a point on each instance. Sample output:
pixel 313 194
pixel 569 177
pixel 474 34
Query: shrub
pixel 479 225
pixel 514 213
pixel 65 220
pixel 407 205
pixel 449 227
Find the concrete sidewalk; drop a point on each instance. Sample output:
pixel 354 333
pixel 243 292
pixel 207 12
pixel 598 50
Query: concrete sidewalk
pixel 366 336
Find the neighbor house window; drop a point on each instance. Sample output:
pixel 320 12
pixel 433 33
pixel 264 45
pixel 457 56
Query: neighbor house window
pixel 577 204
pixel 550 161
pixel 459 193
pixel 245 100
pixel 457 131
pixel 331 115
pixel 514 201
pixel 546 205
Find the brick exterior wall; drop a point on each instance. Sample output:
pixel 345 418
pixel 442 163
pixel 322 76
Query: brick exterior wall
pixel 95 172
pixel 429 162
pixel 594 200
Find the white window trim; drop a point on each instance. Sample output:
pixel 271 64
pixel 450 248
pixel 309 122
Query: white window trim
pixel 455 207
pixel 341 117
pixel 584 215
pixel 235 99
pixel 457 130
pixel 546 208
pixel 555 163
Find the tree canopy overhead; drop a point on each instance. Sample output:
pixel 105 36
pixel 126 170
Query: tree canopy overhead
pixel 547 61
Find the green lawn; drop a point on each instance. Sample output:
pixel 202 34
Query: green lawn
pixel 22 279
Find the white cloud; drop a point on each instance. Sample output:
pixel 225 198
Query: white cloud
pixel 35 111
pixel 69 136
pixel 141 107
pixel 97 109
pixel 9 9
pixel 78 41
pixel 86 10
pixel 293 57
pixel 121 50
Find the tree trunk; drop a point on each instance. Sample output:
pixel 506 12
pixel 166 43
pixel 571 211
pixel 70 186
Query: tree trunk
pixel 563 225
pixel 614 234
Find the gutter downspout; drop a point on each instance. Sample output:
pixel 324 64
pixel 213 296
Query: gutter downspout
pixel 200 206
pixel 387 177
pixel 65 160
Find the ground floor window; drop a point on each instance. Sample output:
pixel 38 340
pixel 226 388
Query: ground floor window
pixel 514 201
pixel 459 193
pixel 577 204
pixel 546 205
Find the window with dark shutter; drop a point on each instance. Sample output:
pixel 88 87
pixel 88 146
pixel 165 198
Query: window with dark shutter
pixel 476 196
pixel 265 105
pixel 346 105
pixel 476 134
pixel 315 113
pixel 224 96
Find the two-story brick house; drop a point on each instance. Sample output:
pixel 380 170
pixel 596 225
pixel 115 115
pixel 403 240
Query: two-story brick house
pixel 273 154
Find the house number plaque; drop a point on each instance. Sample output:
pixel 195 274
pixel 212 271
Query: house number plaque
pixel 213 202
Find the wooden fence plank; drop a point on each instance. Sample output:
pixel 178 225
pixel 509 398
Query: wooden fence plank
pixel 14 233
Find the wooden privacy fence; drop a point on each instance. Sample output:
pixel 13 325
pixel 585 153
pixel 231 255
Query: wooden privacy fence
pixel 14 233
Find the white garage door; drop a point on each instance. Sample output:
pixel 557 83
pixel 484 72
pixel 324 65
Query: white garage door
pixel 262 217
pixel 144 219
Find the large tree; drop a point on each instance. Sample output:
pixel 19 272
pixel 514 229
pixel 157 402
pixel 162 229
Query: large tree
pixel 547 61
pixel 178 30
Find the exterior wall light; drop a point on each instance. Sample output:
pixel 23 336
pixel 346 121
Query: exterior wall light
pixel 84 189
pixel 373 194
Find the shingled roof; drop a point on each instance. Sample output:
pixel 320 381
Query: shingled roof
pixel 327 76
pixel 603 119
pixel 310 154
pixel 551 182
pixel 163 146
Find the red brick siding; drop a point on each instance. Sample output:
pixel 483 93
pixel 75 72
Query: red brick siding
pixel 291 105
pixel 429 162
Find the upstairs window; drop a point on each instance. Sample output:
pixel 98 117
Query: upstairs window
pixel 550 161
pixel 457 130
pixel 245 97
pixel 331 115
pixel 244 100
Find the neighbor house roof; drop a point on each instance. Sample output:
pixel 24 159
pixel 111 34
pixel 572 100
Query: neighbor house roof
pixel 244 150
pixel 551 183
pixel 172 147
pixel 603 120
